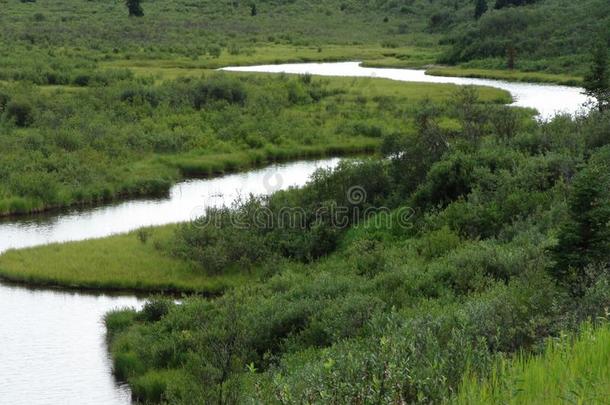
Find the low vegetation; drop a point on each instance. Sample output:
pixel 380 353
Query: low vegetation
pixel 494 241
pixel 508 75
pixel 574 371
pixel 132 262
pixel 53 43
pixel 469 264
pixel 137 138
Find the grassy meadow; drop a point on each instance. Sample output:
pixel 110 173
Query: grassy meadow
pixel 128 262
pixel 508 75
pixel 65 41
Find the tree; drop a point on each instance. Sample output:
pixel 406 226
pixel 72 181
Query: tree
pixel 584 239
pixel 480 8
pixel 511 54
pixel 135 8
pixel 597 81
pixel 472 117
pixel 411 155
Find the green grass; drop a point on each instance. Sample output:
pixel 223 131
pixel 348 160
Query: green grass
pixel 567 372
pixel 216 164
pixel 370 54
pixel 514 75
pixel 120 262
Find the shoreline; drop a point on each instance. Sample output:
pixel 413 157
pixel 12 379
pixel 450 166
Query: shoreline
pixel 232 163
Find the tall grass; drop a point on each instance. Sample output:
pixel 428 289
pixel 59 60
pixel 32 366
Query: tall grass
pixel 569 371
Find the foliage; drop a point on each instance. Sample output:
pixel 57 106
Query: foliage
pixel 77 41
pixel 134 138
pixel 566 26
pixel 574 370
pixel 583 239
pixel 396 313
pixel 597 81
pixel 135 8
pixel 480 8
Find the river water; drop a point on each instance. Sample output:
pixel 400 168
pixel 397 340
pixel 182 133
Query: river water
pixel 52 345
pixel 548 99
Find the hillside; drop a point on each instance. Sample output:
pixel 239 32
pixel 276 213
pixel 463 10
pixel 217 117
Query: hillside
pixel 46 40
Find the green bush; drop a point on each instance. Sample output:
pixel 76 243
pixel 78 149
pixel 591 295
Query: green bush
pixel 4 100
pixel 20 112
pixel 152 386
pixel 155 309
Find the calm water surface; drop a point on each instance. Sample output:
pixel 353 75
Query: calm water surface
pixel 52 347
pixel 53 350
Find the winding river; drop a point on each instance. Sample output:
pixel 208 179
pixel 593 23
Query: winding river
pixel 52 346
pixel 548 99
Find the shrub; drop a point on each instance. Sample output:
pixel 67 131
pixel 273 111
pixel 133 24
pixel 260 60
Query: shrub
pixel 505 122
pixel 20 112
pixel 218 89
pixel 155 309
pixel 152 386
pixel 144 235
pixel 118 321
pixel 4 100
pixel 134 95
pixel 446 181
pixel 82 80
pixel 135 8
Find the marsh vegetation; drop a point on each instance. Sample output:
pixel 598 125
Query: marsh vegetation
pixel 487 277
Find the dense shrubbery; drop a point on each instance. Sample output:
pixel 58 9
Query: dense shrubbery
pixel 583 239
pixel 303 224
pixel 135 137
pixel 393 313
pixel 567 26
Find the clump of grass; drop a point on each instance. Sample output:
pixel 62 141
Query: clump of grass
pixel 119 320
pixel 152 386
